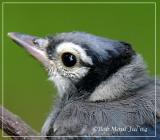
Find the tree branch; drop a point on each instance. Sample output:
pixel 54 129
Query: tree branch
pixel 15 127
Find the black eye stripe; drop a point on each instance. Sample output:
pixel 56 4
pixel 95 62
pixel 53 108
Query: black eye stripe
pixel 52 46
pixel 68 59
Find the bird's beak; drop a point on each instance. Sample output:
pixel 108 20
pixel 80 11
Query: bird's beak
pixel 28 42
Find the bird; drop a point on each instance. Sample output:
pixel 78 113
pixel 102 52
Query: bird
pixel 103 87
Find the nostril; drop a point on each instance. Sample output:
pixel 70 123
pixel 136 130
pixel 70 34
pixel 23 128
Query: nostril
pixel 40 43
pixel 35 42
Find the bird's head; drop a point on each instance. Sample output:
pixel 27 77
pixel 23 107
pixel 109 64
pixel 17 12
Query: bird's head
pixel 78 62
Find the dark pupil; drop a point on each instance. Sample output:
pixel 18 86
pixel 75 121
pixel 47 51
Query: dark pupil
pixel 69 59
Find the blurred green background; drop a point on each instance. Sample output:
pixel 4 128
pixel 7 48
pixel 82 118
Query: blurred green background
pixel 27 92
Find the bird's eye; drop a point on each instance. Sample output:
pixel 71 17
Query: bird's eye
pixel 69 59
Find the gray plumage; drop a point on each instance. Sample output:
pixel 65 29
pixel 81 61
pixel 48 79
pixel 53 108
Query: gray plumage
pixel 136 108
pixel 104 89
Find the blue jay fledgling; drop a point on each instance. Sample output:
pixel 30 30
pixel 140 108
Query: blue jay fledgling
pixel 103 86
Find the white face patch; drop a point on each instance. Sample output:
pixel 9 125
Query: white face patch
pixel 61 83
pixel 74 48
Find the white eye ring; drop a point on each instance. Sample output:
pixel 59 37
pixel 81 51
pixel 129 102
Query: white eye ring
pixel 75 49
